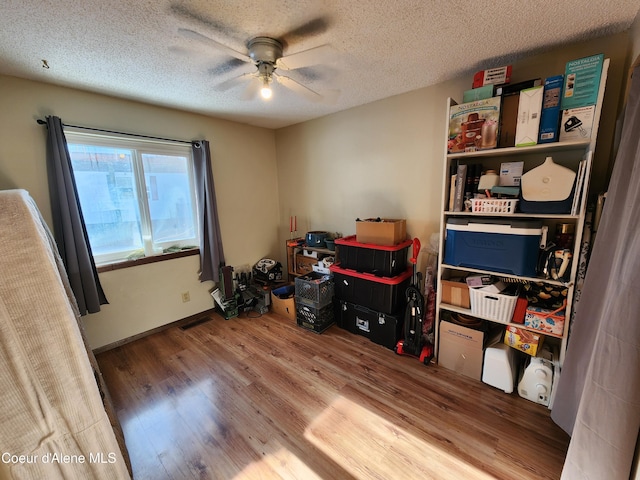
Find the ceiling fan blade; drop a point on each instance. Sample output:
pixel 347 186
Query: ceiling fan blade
pixel 252 89
pixel 193 17
pixel 227 67
pixel 298 88
pixel 232 82
pixel 185 32
pixel 309 29
pixel 305 58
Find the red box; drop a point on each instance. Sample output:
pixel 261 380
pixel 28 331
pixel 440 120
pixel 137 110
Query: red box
pixel 492 76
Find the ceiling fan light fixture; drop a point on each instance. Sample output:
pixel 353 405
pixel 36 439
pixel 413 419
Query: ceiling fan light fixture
pixel 265 71
pixel 266 92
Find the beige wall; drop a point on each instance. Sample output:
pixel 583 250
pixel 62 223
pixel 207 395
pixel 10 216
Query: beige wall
pixel 145 297
pixel 382 159
pixel 386 158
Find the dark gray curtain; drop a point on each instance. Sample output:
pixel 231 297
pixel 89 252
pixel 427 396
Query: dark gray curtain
pixel 598 395
pixel 211 253
pixel 68 225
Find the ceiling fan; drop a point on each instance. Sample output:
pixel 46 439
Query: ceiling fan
pixel 267 55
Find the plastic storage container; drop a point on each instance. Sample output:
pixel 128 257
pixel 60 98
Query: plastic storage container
pixel 314 289
pixel 381 260
pixel 507 246
pixel 382 294
pixel 380 328
pixel 315 319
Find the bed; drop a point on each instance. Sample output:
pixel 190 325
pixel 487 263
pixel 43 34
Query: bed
pixel 55 411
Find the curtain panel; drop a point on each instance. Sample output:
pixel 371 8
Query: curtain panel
pixel 68 224
pixel 598 395
pixel 211 251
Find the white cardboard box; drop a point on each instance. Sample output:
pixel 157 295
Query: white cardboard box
pixel 510 174
pixel 529 110
pixel 576 123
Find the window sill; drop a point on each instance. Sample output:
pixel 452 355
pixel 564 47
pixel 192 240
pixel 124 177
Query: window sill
pixel 145 260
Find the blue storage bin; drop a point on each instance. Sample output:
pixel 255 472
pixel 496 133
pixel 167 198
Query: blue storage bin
pixel 506 246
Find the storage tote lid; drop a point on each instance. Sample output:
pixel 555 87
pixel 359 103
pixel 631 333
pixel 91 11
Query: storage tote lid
pixel 486 225
pixel 352 242
pixel 335 268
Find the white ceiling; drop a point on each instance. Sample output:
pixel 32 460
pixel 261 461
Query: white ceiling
pixel 133 48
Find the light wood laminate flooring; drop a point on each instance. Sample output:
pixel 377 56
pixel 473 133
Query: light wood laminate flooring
pixel 261 398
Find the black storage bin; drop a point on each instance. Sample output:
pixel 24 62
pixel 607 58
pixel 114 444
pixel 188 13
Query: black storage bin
pixel 313 318
pixel 380 328
pixel 383 261
pixel 381 294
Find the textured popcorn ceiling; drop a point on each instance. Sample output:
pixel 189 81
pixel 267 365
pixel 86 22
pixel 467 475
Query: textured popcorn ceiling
pixel 133 48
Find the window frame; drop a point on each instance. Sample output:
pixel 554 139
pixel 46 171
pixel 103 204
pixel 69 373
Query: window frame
pixel 140 146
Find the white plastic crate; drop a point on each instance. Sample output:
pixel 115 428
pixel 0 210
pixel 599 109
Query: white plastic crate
pixel 492 306
pixel 493 205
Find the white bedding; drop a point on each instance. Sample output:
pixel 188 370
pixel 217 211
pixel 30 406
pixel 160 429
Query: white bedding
pixel 53 421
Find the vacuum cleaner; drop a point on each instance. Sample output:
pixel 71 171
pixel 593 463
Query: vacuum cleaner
pixel 413 343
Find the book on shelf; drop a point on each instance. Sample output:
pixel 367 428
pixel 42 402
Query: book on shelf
pixel 453 172
pixel 584 170
pixel 461 182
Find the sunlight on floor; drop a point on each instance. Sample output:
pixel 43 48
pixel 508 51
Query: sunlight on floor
pixel 351 436
pixel 281 464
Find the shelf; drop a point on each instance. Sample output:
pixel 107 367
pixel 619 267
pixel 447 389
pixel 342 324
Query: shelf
pixel 508 275
pixel 467 312
pixel 317 249
pixel 295 248
pixel 558 216
pixel 570 154
pixel 516 151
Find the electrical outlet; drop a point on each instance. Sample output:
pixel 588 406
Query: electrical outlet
pixel 185 297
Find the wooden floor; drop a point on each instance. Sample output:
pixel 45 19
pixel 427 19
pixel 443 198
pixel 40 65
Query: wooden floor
pixel 263 398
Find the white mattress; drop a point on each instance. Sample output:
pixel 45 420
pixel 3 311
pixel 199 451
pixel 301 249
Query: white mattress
pixel 49 400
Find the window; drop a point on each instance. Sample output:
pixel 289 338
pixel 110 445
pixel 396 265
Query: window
pixel 137 195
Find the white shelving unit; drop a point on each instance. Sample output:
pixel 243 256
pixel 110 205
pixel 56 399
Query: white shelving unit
pixel 569 154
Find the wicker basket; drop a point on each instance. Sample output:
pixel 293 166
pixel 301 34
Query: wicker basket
pixel 492 306
pixel 493 205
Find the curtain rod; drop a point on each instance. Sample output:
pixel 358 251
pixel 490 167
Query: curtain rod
pixel 42 122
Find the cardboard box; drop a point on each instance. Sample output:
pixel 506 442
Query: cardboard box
pixel 547 321
pixel 510 174
pixel 550 115
pixel 480 93
pixel 576 123
pixel 523 340
pixel 385 232
pixel 510 95
pixel 283 301
pixel 304 264
pixel 582 82
pixel 492 76
pixel 461 349
pixel 455 293
pixel 508 120
pixel 474 125
pixel 529 107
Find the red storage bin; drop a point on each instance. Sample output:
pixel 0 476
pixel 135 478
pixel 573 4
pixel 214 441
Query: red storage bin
pixel 382 294
pixel 381 260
